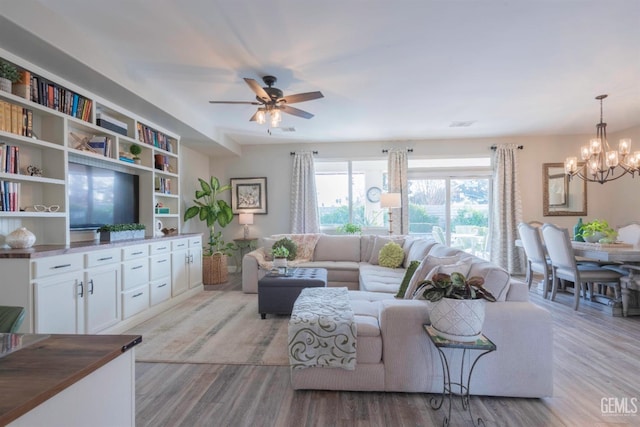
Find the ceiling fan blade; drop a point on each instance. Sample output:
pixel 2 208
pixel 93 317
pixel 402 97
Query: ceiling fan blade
pixel 296 112
pixel 301 97
pixel 235 102
pixel 255 86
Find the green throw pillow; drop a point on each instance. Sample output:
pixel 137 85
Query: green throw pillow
pixel 391 255
pixel 413 265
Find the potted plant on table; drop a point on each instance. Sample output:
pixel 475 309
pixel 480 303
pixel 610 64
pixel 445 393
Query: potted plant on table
pixel 280 255
pixel 598 231
pixel 213 210
pixel 116 232
pixel 458 312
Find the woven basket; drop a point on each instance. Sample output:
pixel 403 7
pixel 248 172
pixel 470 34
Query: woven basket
pixel 214 269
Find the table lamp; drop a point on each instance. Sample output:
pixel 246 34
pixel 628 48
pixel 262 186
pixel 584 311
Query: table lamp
pixel 245 219
pixel 390 200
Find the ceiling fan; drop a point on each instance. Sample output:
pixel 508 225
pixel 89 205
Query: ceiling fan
pixel 273 102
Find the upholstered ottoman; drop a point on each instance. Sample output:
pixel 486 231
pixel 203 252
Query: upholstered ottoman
pixel 276 294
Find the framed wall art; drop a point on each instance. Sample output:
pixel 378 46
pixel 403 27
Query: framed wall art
pixel 249 195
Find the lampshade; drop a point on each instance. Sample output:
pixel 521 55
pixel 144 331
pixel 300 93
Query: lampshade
pixel 245 219
pixel 390 200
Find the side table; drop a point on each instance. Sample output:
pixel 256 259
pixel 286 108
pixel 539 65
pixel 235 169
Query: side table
pixel 244 245
pixel 483 344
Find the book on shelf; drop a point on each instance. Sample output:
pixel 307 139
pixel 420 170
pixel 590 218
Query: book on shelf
pixel 9 158
pixel 9 196
pixel 101 145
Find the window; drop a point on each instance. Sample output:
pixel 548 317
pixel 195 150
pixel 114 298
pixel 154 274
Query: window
pixel 450 199
pixel 342 192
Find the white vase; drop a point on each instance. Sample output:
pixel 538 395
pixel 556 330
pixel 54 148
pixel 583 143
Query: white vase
pixel 5 84
pixel 280 262
pixel 20 238
pixel 458 319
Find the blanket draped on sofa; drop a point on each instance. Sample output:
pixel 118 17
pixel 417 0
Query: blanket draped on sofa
pixel 322 330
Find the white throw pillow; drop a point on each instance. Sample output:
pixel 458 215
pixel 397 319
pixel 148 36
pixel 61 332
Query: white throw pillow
pixel 418 278
pixel 267 244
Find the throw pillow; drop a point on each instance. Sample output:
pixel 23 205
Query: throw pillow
pixel 463 266
pixel 408 274
pixel 417 279
pixel 267 244
pixel 379 243
pixel 391 255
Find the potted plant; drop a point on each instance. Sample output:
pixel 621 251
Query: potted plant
pixel 8 75
pixel 458 310
pixel 117 232
pixel 213 210
pixel 135 150
pixel 350 228
pixel 598 230
pixel 280 255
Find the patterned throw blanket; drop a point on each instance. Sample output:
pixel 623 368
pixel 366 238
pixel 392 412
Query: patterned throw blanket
pixel 322 330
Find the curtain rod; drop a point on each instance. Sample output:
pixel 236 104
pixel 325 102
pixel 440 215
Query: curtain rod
pixel 409 150
pixel 293 153
pixel 519 147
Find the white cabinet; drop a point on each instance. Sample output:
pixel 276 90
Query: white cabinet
pixel 186 264
pixel 160 285
pixel 101 300
pixel 58 304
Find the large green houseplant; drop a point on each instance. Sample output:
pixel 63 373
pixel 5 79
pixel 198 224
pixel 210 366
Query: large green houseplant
pixel 210 208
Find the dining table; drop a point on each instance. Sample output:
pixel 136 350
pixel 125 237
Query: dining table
pixel 607 252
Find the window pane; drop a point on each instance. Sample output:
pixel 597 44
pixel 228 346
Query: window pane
pixel 332 182
pixel 427 207
pixel 470 215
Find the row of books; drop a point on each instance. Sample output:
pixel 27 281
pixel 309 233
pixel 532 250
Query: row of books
pixel 9 158
pixel 16 119
pixel 9 196
pixel 163 185
pixel 59 98
pixel 101 145
pixel 151 136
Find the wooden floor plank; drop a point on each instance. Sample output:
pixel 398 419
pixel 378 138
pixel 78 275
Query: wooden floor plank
pixel 596 356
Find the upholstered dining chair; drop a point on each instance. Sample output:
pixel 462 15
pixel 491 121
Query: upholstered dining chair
pixel 630 234
pixel 536 255
pixel 565 267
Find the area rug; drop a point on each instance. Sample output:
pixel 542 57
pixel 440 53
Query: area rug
pixel 220 327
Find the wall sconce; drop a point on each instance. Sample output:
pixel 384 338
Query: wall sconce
pixel 245 219
pixel 390 200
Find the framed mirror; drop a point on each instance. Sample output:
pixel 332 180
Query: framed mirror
pixel 560 195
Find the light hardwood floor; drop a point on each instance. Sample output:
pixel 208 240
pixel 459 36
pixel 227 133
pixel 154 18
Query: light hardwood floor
pixel 597 359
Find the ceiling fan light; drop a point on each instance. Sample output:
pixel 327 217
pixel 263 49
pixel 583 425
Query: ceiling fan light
pixel 276 118
pixel 261 117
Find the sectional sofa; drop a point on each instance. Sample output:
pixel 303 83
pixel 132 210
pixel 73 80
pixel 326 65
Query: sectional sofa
pixel 393 350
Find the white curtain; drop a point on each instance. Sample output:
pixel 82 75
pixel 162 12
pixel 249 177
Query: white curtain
pixel 398 165
pixel 506 210
pixel 304 203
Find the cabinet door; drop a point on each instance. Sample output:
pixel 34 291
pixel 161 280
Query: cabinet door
pixel 179 272
pixel 102 295
pixel 58 305
pixel 195 267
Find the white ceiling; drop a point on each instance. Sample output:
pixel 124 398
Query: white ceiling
pixel 389 70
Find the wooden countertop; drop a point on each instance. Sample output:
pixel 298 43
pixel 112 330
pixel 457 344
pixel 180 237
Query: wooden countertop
pixel 52 250
pixel 41 370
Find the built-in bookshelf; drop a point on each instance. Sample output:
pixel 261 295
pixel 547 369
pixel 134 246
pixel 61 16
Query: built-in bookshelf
pixel 49 122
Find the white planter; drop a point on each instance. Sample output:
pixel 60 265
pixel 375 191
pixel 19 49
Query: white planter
pixel 595 237
pixel 280 262
pixel 458 319
pixel 5 84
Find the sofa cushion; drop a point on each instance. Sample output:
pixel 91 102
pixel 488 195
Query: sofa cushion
pixel 379 243
pixel 374 278
pixel 441 250
pixel 496 279
pixel 391 255
pixel 366 246
pixel 337 248
pixel 411 269
pixel 415 284
pixel 267 244
pixel 306 244
pixel 418 250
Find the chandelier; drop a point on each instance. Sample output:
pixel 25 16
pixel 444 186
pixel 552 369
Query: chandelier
pixel 600 162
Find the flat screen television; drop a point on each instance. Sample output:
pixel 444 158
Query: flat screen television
pixel 99 196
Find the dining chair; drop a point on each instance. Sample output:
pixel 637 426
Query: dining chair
pixel 11 318
pixel 565 267
pixel 537 261
pixel 630 234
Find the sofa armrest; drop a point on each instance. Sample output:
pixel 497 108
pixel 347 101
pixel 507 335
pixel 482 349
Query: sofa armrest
pixel 518 291
pixel 251 273
pixel 407 353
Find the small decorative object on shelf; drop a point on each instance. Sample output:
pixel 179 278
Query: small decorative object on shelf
pixel 135 150
pixel 34 170
pixel 8 75
pixel 20 238
pixel 117 232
